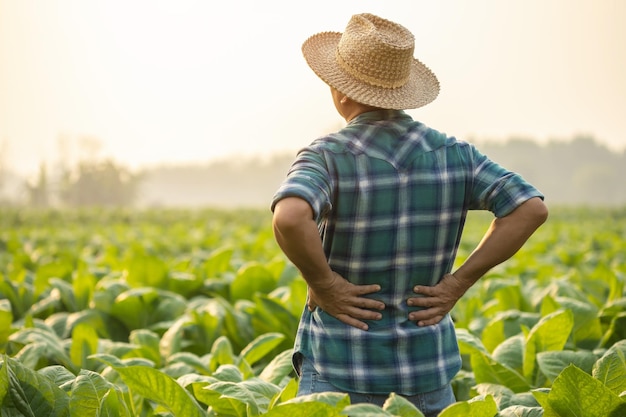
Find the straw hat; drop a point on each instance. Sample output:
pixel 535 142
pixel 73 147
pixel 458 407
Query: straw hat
pixel 372 63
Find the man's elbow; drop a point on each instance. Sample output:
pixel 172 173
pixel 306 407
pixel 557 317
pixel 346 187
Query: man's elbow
pixel 290 214
pixel 536 211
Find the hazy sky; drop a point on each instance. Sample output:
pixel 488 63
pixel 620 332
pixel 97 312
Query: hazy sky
pixel 182 80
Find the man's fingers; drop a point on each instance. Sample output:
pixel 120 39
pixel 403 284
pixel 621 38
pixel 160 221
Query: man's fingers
pixel 370 304
pixel 426 317
pixel 351 321
pixel 366 289
pixel 424 290
pixel 425 302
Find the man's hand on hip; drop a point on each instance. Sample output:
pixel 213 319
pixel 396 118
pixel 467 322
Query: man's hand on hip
pixel 437 300
pixel 344 301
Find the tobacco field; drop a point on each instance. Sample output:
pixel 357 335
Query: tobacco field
pixel 173 312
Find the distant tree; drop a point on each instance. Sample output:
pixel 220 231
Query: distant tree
pixel 3 169
pixel 98 183
pixel 38 194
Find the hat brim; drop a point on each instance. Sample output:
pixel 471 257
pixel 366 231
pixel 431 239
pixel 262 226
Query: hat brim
pixel 421 88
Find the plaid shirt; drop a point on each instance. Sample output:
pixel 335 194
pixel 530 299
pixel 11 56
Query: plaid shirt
pixel 390 196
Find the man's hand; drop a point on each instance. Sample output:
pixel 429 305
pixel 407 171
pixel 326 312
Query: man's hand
pixel 501 241
pixel 345 302
pixel 437 300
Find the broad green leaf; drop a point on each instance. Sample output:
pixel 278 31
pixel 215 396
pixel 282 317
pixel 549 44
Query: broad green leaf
pixel 208 322
pixel 550 333
pixel 587 330
pixel 237 324
pixel 263 391
pixel 199 380
pixel 526 399
pixel 148 342
pixel 88 392
pixel 156 386
pixel 110 360
pixel 33 355
pixel 507 292
pixel 468 343
pixel 476 407
pixel 279 368
pixel 228 399
pixel 246 370
pixel 616 286
pixel 184 283
pixel 33 394
pixel 196 363
pixel 549 305
pixel 289 391
pixel 83 285
pixel 486 369
pixel 134 307
pixel 553 362
pixel 493 334
pixel 50 345
pixel 497 391
pixel 511 353
pixel 576 393
pixel 48 305
pixel 399 406
pixel 463 383
pixel 92 318
pixel 505 397
pixel 66 292
pixel 504 325
pixel 616 331
pixel 4 379
pixel 218 262
pixel 221 353
pixel 271 317
pixel 261 346
pixel 6 319
pixel 364 410
pixel 53 269
pixel 106 292
pixel 610 369
pixel 170 306
pixel 336 399
pixel 172 340
pixel 59 376
pixel 303 409
pixel 252 278
pixel 521 411
pixel 114 405
pixel 144 270
pixel 228 373
pixel 84 344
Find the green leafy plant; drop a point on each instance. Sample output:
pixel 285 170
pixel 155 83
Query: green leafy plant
pixel 194 312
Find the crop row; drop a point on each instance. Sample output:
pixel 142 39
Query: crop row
pixel 185 313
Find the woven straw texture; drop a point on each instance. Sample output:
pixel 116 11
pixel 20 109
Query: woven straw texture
pixel 372 63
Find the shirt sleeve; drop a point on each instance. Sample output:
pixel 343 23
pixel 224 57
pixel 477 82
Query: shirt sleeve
pixel 309 180
pixel 497 189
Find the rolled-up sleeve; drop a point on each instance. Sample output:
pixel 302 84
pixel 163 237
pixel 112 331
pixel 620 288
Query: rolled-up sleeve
pixel 497 189
pixel 307 179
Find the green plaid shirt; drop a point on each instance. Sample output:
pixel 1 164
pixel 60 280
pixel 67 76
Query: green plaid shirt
pixel 390 196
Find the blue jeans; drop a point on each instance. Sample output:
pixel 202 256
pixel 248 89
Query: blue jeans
pixel 429 403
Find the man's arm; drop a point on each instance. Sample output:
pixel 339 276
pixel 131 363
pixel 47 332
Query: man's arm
pixel 297 235
pixel 503 239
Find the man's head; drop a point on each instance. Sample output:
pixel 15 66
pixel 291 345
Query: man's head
pixel 372 63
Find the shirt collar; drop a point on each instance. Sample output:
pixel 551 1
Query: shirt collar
pixel 382 114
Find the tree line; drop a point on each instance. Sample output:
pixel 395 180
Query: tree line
pixel 580 171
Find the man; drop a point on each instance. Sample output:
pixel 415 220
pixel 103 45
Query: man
pixel 372 217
